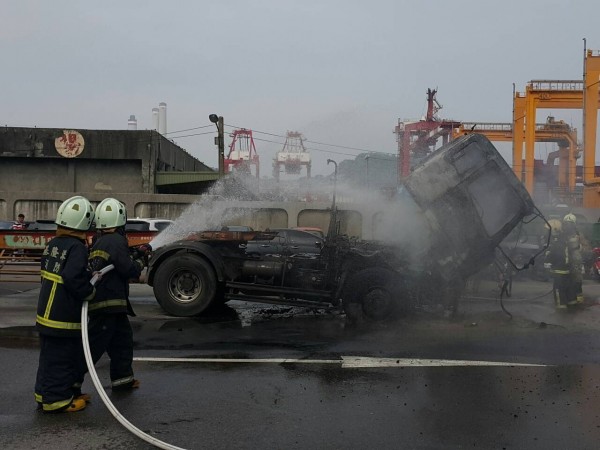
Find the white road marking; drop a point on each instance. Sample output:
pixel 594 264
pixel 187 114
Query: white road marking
pixel 348 362
pixel 241 360
pixel 359 361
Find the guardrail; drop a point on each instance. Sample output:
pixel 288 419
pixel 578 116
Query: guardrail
pixel 25 268
pixel 21 251
pixel 19 267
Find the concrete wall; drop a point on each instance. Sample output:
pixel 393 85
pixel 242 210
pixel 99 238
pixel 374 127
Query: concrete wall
pixel 260 215
pixel 71 175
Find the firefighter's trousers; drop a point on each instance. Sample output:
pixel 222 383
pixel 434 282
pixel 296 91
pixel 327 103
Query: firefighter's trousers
pixel 112 334
pixel 60 359
pixel 565 289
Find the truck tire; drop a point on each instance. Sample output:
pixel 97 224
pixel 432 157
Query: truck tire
pixel 185 285
pixel 372 294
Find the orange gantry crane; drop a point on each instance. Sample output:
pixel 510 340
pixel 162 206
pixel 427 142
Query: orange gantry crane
pixel 242 154
pixel 556 131
pixel 560 94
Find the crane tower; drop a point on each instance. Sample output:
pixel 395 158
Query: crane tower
pixel 417 138
pixel 242 154
pixel 292 156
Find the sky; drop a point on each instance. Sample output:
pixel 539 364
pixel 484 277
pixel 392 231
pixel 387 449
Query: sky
pixel 340 72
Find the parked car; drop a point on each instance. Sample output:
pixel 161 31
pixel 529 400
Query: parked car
pixel 312 230
pixel 138 224
pixel 42 225
pixel 236 228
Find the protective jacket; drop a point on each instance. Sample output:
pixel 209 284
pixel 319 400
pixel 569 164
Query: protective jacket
pixel 65 285
pixel 558 255
pixel 575 256
pixel 112 291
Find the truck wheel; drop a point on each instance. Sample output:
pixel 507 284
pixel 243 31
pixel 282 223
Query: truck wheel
pixel 372 294
pixel 185 286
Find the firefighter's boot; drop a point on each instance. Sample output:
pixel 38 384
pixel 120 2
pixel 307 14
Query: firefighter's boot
pixel 75 405
pixel 133 384
pixel 85 397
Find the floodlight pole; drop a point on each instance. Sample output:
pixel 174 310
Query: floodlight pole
pixel 219 141
pixel 331 161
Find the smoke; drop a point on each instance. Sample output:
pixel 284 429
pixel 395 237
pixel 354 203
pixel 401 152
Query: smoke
pixel 371 214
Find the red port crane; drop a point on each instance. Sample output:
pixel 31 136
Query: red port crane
pixel 416 139
pixel 242 154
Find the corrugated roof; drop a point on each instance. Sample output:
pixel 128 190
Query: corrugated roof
pixel 166 178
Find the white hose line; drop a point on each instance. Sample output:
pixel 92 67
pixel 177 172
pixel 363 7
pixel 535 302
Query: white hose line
pixel 100 389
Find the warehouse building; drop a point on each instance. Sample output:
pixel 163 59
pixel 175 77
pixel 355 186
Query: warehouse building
pixel 41 167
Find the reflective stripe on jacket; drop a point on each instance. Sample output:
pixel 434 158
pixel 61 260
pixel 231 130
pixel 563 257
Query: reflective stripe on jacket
pixel 65 284
pixel 112 291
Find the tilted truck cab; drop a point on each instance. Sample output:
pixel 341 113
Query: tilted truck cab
pixel 450 214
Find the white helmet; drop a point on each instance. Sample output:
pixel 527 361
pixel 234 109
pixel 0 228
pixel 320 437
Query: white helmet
pixel 76 213
pixel 110 213
pixel 570 218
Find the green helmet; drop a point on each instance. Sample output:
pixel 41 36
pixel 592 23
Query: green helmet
pixel 76 213
pixel 110 213
pixel 570 218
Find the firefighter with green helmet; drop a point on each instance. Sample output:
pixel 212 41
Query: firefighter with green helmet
pixel 65 285
pixel 109 329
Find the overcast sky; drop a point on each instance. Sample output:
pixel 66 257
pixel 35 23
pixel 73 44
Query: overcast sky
pixel 341 72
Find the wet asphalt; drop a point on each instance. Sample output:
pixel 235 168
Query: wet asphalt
pixel 301 395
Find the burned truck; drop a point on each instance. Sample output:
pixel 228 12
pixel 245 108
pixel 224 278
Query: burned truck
pixel 457 206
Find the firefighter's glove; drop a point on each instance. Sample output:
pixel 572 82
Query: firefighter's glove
pixel 145 248
pixel 548 266
pixel 141 253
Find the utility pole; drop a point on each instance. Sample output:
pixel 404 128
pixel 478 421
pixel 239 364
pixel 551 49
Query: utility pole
pixel 333 221
pixel 219 141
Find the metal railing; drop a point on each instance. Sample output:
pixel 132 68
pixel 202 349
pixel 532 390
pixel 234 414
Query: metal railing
pixel 556 85
pixel 16 266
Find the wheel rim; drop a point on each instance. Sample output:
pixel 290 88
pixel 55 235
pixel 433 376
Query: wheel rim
pixel 184 286
pixel 377 303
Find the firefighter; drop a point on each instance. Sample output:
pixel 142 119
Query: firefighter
pixel 574 254
pixel 109 328
pixel 65 285
pixel 557 263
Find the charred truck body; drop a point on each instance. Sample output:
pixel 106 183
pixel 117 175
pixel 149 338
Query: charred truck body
pixel 457 206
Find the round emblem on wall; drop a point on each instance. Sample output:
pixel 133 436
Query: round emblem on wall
pixel 70 144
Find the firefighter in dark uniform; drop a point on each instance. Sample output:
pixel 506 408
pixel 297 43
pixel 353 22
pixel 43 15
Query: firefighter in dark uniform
pixel 65 285
pixel 573 240
pixel 563 259
pixel 109 328
pixel 558 265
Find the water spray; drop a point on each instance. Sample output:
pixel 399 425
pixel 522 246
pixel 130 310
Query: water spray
pixel 96 381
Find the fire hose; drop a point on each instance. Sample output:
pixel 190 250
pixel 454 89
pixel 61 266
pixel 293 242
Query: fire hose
pixel 98 385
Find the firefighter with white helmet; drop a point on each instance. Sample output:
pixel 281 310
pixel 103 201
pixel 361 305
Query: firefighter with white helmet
pixel 564 261
pixel 65 285
pixel 570 218
pixel 574 255
pixel 109 328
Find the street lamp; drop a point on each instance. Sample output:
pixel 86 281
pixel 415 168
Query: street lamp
pixel 219 141
pixel 333 221
pixel 334 179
